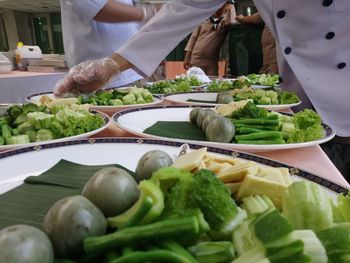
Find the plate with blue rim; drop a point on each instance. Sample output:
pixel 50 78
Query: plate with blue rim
pixel 136 121
pixel 18 164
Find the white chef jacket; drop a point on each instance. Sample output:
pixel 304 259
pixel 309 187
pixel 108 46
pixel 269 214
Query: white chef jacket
pixel 313 36
pixel 85 38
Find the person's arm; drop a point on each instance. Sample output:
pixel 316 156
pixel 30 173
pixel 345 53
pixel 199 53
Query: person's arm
pixel 108 11
pixel 115 11
pixel 230 15
pixel 189 47
pixel 145 50
pixel 165 30
pixel 253 19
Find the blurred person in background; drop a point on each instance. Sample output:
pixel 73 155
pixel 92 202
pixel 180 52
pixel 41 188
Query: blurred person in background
pixel 268 44
pixel 95 29
pixel 312 53
pixel 203 47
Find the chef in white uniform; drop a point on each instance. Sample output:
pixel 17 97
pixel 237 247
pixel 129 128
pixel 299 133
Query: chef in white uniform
pixel 93 29
pixel 313 37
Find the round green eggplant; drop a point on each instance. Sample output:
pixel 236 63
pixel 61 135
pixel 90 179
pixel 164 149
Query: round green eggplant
pixel 202 114
pixel 25 244
pixel 224 98
pixel 193 114
pixel 207 119
pixel 112 190
pixel 69 221
pixel 220 130
pixel 151 162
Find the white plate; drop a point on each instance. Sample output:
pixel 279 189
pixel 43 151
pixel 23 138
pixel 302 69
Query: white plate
pixel 136 121
pixel 104 108
pixel 182 98
pixel 80 136
pixel 124 151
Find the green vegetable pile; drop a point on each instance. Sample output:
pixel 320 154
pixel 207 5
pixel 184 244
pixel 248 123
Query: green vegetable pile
pixel 264 79
pixel 31 123
pixel 258 126
pixel 268 97
pixel 117 97
pixel 178 85
pixel 226 85
pixel 254 125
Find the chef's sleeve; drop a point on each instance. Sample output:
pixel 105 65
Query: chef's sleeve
pixel 87 9
pixel 165 31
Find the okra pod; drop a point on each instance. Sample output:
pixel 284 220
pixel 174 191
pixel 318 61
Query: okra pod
pixel 159 255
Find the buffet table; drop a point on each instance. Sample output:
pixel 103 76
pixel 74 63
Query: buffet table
pixel 14 86
pixel 311 159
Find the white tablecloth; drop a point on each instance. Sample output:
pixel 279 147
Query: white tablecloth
pixel 17 85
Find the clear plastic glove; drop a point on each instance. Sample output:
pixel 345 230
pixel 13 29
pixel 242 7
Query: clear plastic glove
pixel 87 77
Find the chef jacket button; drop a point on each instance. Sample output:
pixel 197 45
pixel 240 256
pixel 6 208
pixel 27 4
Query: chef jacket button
pixel 330 35
pixel 287 50
pixel 341 65
pixel 327 2
pixel 281 14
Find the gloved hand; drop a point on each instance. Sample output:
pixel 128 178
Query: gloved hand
pixel 87 77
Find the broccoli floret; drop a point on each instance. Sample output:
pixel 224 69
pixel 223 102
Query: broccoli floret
pixel 15 111
pixel 19 139
pixel 30 107
pixel 44 135
pixel 180 196
pixel 2 140
pixel 250 110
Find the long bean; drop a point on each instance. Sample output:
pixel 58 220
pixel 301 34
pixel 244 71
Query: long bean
pixel 244 130
pixel 259 127
pixel 256 121
pixel 275 141
pixel 260 135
